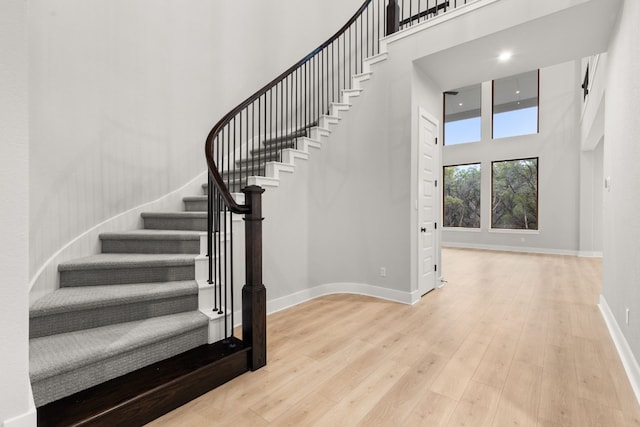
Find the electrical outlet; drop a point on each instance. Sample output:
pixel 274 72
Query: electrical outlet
pixel 383 272
pixel 627 316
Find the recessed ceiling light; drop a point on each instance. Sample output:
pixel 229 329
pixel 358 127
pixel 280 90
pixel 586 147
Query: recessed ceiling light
pixel 504 56
pixel 517 92
pixel 460 104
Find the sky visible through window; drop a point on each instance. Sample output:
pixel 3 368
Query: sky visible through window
pixel 515 122
pixel 509 123
pixel 462 131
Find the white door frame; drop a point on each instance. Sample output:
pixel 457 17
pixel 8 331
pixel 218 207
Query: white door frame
pixel 423 114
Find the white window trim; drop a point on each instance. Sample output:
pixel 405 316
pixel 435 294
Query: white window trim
pixel 461 229
pixel 513 231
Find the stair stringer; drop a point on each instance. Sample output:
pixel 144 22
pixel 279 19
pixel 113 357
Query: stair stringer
pixel 317 134
pixel 45 280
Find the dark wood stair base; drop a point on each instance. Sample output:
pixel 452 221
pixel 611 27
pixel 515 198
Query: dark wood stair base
pixel 148 393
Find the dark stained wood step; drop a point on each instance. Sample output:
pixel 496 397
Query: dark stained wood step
pixel 148 393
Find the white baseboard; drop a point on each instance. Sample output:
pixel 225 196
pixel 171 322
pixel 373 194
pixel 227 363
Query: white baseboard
pixel 291 300
pixel 28 419
pixel 624 351
pixel 590 254
pixel 501 248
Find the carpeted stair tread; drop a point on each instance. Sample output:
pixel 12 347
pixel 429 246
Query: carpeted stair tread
pixel 195 215
pixel 63 364
pixel 85 298
pixel 273 148
pixel 293 135
pixel 256 168
pixel 153 234
pixel 268 156
pixel 185 220
pixel 244 173
pixel 105 261
pixel 152 241
pixel 61 353
pixel 194 198
pixel 195 203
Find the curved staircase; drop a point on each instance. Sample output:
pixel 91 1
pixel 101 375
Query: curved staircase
pixel 129 333
pixel 132 305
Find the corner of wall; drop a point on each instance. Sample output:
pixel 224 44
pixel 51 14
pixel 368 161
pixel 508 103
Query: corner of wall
pixel 629 362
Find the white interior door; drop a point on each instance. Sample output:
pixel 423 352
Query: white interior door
pixel 427 202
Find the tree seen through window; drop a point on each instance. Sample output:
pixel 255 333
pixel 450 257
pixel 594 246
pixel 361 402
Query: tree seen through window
pixel 462 196
pixel 515 194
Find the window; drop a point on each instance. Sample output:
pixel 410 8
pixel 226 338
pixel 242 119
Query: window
pixel 515 105
pixel 462 196
pixel 514 194
pixel 462 115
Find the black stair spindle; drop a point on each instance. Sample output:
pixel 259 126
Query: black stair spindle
pixel 231 281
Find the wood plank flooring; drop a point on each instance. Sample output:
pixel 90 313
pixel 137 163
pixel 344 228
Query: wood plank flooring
pixel 511 340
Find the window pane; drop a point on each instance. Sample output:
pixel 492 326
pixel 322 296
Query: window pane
pixel 462 115
pixel 462 196
pixel 515 105
pixel 515 194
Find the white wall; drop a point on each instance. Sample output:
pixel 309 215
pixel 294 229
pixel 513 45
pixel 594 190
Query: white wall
pixel 15 397
pixel 621 270
pixel 557 146
pixel 591 193
pixel 123 94
pixel 285 238
pixel 360 197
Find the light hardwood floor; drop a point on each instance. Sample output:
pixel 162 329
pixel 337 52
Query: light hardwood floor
pixel 511 340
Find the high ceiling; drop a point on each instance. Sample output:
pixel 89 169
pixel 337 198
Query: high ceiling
pixel 572 33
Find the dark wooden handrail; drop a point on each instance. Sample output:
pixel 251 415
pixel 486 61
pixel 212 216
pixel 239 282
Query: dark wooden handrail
pixel 214 173
pixel 303 96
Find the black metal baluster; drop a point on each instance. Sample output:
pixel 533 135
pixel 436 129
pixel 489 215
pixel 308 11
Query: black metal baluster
pixel 321 77
pixel 276 122
pixel 231 281
pixel 281 122
pixel 286 123
pixel 226 283
pixel 338 71
pixel 361 47
pixel 210 228
pixel 234 162
pixel 377 25
pixel 213 261
pixel 252 136
pixel 271 132
pixel 350 55
pixel 219 232
pixel 384 20
pixel 296 123
pixel 244 165
pixel 367 32
pixel 292 103
pixel 333 85
pixel 259 136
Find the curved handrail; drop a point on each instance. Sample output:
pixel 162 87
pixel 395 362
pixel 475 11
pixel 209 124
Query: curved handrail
pixel 216 178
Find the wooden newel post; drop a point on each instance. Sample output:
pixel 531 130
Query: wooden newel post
pixel 393 17
pixel 254 294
